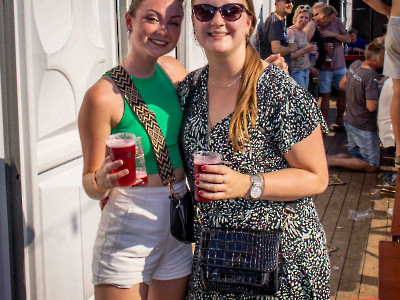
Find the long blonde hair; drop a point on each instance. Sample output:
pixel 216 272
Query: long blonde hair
pixel 245 113
pixel 246 101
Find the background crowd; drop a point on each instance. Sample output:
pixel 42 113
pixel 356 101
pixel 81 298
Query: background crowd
pixel 335 64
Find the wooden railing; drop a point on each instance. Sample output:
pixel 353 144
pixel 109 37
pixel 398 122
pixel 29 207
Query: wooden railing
pixel 389 255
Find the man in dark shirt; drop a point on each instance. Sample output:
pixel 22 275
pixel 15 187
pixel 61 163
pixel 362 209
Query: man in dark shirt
pixel 361 83
pixel 274 38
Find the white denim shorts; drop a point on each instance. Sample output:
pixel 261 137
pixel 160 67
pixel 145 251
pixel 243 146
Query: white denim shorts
pixel 134 243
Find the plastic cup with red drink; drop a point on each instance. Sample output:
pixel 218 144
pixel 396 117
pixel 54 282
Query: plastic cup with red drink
pixel 141 172
pixel 202 158
pixel 123 146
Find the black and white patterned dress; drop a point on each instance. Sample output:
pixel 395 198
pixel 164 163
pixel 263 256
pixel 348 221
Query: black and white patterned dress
pixel 286 115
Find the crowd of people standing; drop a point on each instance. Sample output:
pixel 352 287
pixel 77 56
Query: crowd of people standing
pixel 321 42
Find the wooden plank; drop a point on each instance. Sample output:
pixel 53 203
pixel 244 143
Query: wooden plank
pixel 379 230
pixel 342 232
pixel 321 201
pixel 335 142
pixel 350 280
pixel 334 208
pixel 332 142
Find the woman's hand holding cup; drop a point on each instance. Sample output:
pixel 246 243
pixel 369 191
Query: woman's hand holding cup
pixel 106 174
pixel 215 181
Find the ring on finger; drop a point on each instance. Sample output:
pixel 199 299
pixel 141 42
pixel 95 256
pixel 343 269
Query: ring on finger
pixel 223 179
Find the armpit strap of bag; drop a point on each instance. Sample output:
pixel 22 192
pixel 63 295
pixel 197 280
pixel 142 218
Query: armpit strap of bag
pixel 148 120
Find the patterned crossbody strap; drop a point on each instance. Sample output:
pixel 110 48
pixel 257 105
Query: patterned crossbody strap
pixel 148 120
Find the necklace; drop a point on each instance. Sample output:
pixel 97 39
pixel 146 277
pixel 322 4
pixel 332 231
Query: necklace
pixel 225 86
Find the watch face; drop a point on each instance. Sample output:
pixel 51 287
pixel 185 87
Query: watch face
pixel 256 192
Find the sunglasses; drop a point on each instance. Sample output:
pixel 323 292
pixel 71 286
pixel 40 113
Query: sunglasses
pixel 230 12
pixel 288 1
pixel 306 7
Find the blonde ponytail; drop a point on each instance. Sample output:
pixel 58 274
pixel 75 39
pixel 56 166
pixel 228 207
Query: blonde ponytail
pixel 246 101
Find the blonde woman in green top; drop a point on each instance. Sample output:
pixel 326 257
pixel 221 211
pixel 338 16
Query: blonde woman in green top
pixel 135 256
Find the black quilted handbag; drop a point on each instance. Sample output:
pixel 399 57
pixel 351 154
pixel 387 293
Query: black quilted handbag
pixel 239 261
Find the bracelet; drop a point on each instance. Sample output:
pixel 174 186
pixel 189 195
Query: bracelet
pixel 96 186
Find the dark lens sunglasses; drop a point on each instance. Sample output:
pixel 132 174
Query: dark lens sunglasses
pixel 289 1
pixel 306 7
pixel 230 12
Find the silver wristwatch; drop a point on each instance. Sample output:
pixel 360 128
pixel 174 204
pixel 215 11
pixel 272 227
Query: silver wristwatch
pixel 257 186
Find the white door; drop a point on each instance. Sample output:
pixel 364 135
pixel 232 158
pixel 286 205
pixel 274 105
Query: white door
pixel 5 275
pixel 62 48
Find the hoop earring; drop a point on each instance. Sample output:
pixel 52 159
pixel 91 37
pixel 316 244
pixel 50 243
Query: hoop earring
pixel 194 35
pixel 247 38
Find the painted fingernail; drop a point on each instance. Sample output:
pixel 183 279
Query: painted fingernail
pixel 203 168
pixel 197 176
pixel 200 193
pixel 197 182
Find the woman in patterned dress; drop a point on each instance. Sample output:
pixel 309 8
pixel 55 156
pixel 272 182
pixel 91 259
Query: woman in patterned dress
pixel 266 126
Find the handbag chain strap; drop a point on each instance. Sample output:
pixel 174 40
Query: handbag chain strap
pixel 149 122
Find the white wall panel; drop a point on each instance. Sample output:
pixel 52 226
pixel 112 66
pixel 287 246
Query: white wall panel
pixel 63 47
pixel 5 276
pixel 193 56
pixel 73 43
pixel 66 237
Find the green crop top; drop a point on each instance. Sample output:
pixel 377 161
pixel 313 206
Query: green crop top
pixel 160 96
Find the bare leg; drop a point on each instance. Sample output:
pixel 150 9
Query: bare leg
pixel 349 162
pixel 325 105
pixel 341 107
pixel 110 292
pixel 395 113
pixel 174 289
pixel 340 155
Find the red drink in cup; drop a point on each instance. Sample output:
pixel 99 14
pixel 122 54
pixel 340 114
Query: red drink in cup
pixel 123 146
pixel 328 63
pixel 204 158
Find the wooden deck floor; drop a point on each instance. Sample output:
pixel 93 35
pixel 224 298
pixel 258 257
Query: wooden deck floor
pixel 355 262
